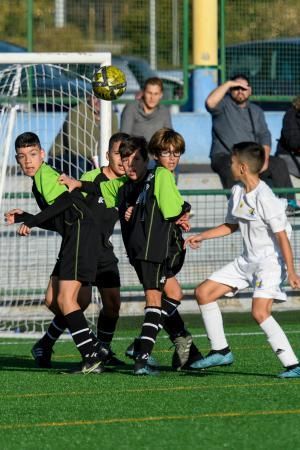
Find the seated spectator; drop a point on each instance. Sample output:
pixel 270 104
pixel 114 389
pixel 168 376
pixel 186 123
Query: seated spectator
pixel 288 147
pixel 235 119
pixel 78 140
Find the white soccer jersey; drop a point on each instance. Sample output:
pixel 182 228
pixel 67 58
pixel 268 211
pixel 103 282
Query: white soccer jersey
pixel 259 215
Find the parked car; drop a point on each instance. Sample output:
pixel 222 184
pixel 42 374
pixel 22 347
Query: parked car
pixel 41 79
pixel 46 79
pixel 272 65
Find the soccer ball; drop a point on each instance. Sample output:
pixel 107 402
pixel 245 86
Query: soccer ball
pixel 109 83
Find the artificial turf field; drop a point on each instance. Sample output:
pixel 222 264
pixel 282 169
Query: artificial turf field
pixel 243 406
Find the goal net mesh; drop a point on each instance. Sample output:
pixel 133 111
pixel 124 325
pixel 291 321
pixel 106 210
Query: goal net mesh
pixel 54 101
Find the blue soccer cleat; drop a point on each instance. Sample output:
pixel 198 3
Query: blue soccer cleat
pixel 292 373
pixel 146 370
pixel 133 350
pixel 213 359
pixel 141 366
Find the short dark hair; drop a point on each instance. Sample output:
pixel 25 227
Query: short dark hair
pixel 117 137
pixel 240 76
pixel 251 153
pixel 154 81
pixel 133 143
pixel 27 139
pixel 163 138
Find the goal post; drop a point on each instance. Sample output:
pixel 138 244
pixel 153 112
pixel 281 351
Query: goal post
pixel 42 92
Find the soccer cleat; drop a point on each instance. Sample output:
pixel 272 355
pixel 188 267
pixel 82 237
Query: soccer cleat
pixel 102 351
pixel 92 364
pixel 133 350
pixel 146 370
pixel 112 360
pixel 141 366
pixel 291 373
pixel 194 356
pixel 42 355
pixel 213 359
pixel 182 348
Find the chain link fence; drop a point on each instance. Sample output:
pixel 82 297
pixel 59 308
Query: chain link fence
pixel 145 37
pixel 262 41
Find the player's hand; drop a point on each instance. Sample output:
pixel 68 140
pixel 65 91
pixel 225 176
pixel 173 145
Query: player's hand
pixel 294 280
pixel 10 215
pixel 24 230
pixel 193 241
pixel 69 182
pixel 183 222
pixel 128 213
pixel 185 226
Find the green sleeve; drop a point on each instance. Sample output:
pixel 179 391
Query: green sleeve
pixel 167 194
pixel 110 190
pixel 90 175
pixel 46 180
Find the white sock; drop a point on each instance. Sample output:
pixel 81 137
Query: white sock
pixel 279 342
pixel 213 323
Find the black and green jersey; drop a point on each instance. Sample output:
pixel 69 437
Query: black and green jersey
pixel 58 207
pixel 157 205
pixel 105 218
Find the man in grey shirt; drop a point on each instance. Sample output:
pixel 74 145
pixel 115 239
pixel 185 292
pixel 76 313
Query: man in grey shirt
pixel 235 119
pixel 145 116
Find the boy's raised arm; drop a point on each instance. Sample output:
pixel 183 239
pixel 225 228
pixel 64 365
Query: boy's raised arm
pixel 222 230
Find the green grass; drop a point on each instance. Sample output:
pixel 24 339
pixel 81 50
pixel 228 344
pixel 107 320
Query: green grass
pixel 243 406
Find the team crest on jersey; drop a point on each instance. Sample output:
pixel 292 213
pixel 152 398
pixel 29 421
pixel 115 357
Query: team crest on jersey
pixel 245 211
pixel 258 284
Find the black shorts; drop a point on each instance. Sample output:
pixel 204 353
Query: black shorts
pixel 108 275
pixel 151 275
pixel 77 259
pixel 174 263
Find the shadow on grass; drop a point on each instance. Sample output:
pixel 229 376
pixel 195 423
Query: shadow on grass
pixel 16 363
pixel 26 363
pixel 209 372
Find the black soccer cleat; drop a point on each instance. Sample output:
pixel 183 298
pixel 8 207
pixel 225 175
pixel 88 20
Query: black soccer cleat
pixel 102 351
pixel 42 355
pixel 133 349
pixel 112 360
pixel 91 364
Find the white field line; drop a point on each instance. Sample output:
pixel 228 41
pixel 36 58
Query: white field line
pixel 35 336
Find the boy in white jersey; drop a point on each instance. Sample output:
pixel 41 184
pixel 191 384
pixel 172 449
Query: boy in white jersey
pixel 266 259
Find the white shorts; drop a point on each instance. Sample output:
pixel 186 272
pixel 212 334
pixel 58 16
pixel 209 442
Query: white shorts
pixel 266 278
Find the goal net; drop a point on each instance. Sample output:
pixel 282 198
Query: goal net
pixel 49 94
